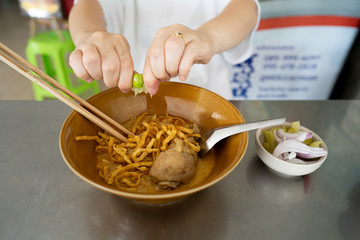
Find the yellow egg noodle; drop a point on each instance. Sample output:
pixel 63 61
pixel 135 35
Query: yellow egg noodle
pixel 124 163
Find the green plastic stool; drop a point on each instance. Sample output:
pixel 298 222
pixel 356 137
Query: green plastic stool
pixel 50 53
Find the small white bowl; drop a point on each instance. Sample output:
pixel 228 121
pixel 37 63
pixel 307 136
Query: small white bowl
pixel 284 167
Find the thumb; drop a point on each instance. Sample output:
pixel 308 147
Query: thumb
pixel 150 81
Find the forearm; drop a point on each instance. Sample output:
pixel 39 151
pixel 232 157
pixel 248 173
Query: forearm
pixel 232 25
pixel 86 17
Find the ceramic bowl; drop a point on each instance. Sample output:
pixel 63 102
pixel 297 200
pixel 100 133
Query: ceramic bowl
pixel 196 104
pixel 285 167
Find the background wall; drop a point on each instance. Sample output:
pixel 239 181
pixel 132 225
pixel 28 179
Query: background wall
pixel 347 79
pixel 15 31
pixel 14 34
pixel 348 83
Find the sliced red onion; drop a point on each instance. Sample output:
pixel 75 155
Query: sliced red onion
pixel 277 138
pixel 309 135
pixel 315 153
pixel 287 155
pixel 299 136
pixel 301 149
pixel 290 146
pixel 291 155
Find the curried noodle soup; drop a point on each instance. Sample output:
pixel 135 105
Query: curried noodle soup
pixel 127 165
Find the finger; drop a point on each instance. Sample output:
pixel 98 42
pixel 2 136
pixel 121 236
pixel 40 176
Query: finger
pixel 75 62
pixel 156 55
pixel 126 70
pixel 110 66
pixel 186 63
pixel 174 49
pixel 92 61
pixel 150 81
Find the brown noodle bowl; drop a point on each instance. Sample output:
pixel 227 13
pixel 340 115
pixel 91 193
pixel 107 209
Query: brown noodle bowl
pixel 126 165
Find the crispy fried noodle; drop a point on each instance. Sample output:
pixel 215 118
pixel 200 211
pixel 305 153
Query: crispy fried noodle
pixel 124 163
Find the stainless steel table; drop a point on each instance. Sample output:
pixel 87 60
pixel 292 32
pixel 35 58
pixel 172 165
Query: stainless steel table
pixel 42 199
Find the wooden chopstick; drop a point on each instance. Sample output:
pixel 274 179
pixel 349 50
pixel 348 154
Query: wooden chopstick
pixel 9 57
pixel 65 90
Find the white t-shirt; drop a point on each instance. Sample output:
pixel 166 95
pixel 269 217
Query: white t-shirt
pixel 139 20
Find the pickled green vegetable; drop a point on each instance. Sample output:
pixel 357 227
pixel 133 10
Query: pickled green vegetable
pixel 295 127
pixel 270 142
pixel 315 144
pixel 308 141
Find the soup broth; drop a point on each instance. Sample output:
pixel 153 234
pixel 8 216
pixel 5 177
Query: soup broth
pixel 127 165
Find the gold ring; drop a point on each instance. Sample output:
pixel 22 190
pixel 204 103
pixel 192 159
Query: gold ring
pixel 180 35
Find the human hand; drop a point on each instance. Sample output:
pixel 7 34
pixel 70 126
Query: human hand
pixel 103 56
pixel 170 55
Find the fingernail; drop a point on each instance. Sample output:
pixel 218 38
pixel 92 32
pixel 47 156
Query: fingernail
pixel 152 91
pixel 182 78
